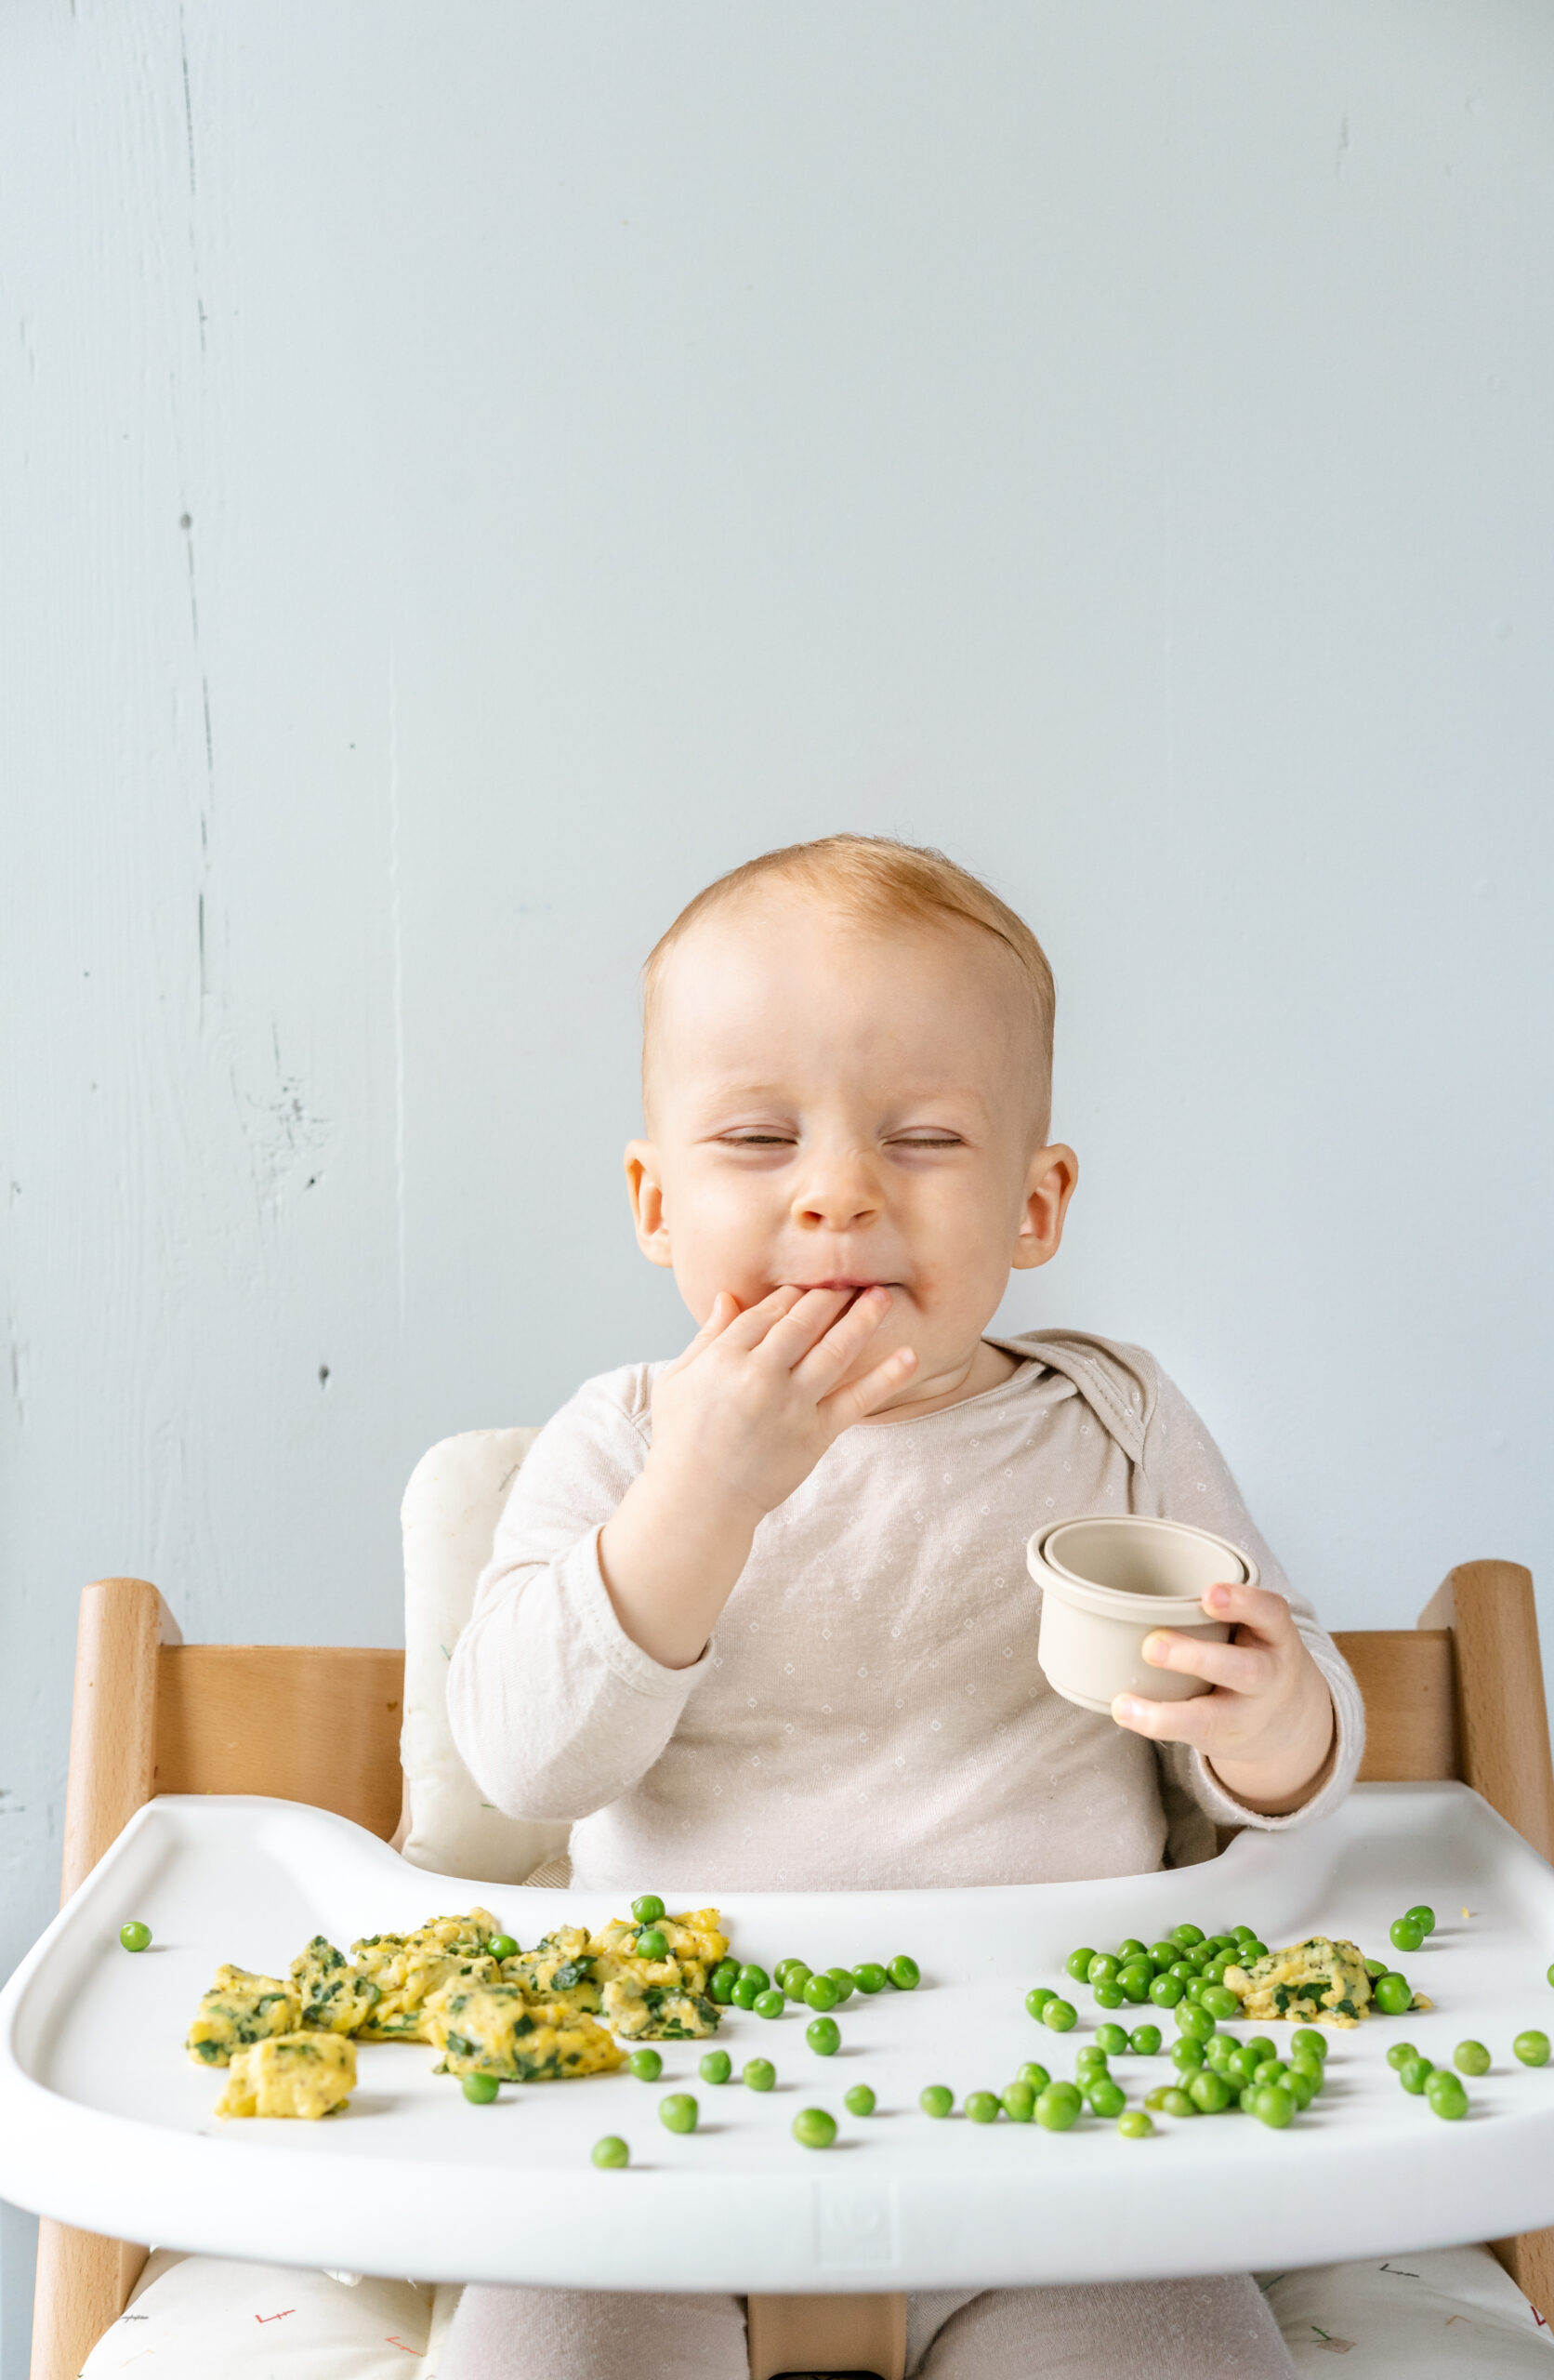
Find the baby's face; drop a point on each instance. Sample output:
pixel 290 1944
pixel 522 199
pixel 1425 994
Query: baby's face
pixel 832 1105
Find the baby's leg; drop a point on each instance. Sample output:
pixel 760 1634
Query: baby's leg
pixel 1135 2329
pixel 594 2334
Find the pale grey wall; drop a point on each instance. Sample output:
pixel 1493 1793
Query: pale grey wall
pixel 470 475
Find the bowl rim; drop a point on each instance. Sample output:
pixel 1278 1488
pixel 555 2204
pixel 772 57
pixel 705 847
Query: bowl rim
pixel 1117 1603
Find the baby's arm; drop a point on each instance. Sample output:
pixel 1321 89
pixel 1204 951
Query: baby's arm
pixel 739 1421
pixel 1284 1723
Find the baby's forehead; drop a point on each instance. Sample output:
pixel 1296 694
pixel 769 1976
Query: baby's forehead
pixel 758 998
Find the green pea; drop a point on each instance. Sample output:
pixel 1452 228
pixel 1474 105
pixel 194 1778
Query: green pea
pixel 721 1982
pixel 1415 2075
pixel 1375 1967
pixel 1155 2100
pixel 759 2074
pixel 859 2100
pixel 1531 2048
pixel 1145 2041
pixel 1301 2084
pixel 1261 2044
pixel 1308 2037
pixel 1166 1989
pixel 645 2064
pixel 904 1973
pixel 936 2099
pixel 1253 1951
pixel 1037 2076
pixel 652 1944
pixel 717 2066
pixel 136 1936
pixel 1188 1935
pixel 1132 1948
pixel 769 2003
pixel 758 1976
pixel 1398 2056
pixel 1104 1968
pixel 1270 2070
pixel 1112 2039
pixel 814 2128
pixel 1312 2069
pixel 1091 2059
pixel 984 2107
pixel 1245 1933
pixel 821 1993
pixel 610 2150
pixel 1406 1935
pixel 1552 1975
pixel 1421 1915
pixel 1219 2050
pixel 843 1981
pixel 1108 1995
pixel 1446 2095
pixel 870 1977
pixel 1175 2101
pixel 1054 2110
pixel 481 2089
pixel 1194 1991
pixel 646 1909
pixel 1228 1943
pixel 1134 2125
pixel 1239 2068
pixel 1184 1971
pixel 1194 2024
pixel 1037 1998
pixel 1272 2105
pixel 1209 2093
pixel 1077 1965
pixel 825 2036
pixel 1470 2058
pixel 1165 1953
pixel 1219 2000
pixel 1106 2097
pixel 1060 2015
pixel 795 1981
pixel 746 1992
pixel 1217 1968
pixel 1393 1995
pixel 679 2113
pixel 1188 2055
pixel 1202 1955
pixel 1019 2102
pixel 1136 1981
pixel 502 1946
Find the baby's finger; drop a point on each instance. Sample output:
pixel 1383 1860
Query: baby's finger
pixel 749 1329
pixel 1245 1668
pixel 861 1397
pixel 838 1347
pixel 806 1322
pixel 725 1305
pixel 1256 1607
pixel 1194 1721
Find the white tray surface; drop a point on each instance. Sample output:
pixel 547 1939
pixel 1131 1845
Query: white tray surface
pixel 105 2123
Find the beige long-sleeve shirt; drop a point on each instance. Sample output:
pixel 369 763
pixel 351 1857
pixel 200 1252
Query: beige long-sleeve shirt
pixel 869 1711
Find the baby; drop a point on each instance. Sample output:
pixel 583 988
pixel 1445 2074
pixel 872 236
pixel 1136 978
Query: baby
pixel 759 1617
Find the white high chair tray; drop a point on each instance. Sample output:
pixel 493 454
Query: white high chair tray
pixel 105 2123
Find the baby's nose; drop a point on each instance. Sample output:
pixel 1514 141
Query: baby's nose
pixel 838 1195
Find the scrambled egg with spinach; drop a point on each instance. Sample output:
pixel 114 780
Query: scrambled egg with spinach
pixel 291 2074
pixel 1316 1981
pixel 545 2015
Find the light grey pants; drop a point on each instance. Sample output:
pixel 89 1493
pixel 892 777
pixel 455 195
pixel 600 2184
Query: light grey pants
pixel 1139 2330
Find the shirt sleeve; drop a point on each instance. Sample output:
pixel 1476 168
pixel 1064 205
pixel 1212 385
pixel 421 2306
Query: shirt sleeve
pixel 554 1709
pixel 1190 1480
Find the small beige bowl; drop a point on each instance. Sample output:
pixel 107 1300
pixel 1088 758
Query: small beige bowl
pixel 1106 1581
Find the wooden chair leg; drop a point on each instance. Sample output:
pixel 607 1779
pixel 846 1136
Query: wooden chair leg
pixel 812 2335
pixel 1503 1735
pixel 83 2286
pixel 83 2281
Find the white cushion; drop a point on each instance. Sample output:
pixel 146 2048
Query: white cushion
pixel 1443 2316
pixel 191 2317
pixel 449 1515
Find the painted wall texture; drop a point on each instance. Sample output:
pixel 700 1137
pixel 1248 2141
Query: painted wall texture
pixel 468 478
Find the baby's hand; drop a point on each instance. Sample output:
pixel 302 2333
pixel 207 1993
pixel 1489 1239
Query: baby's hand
pixel 1267 1728
pixel 754 1402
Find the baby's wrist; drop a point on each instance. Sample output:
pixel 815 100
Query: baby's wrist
pixel 1277 1788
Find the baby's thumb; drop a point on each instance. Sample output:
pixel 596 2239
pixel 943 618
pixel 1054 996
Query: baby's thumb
pixel 725 1305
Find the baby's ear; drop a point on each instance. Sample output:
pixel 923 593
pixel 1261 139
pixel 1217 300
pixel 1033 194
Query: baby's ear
pixel 1049 1185
pixel 645 1189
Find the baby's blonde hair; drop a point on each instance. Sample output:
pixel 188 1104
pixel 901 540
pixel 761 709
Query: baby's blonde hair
pixel 880 882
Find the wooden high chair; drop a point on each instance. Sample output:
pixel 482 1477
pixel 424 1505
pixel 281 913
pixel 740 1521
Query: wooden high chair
pixel 1459 1697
